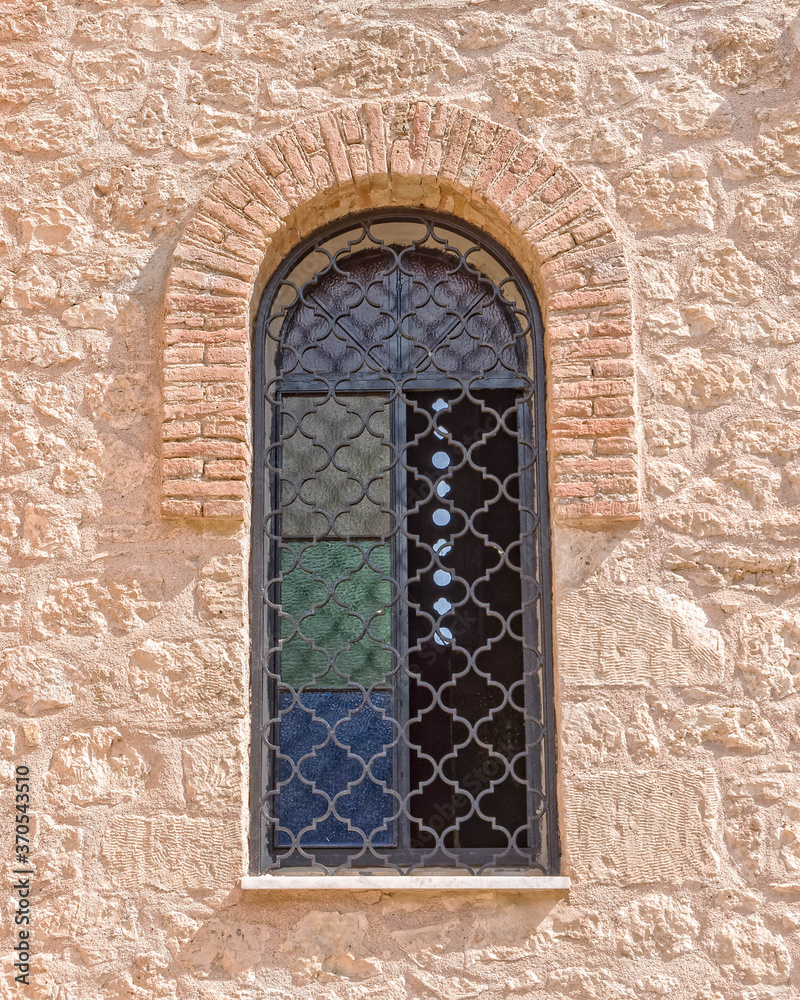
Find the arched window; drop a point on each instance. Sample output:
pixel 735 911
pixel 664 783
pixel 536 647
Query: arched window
pixel 402 679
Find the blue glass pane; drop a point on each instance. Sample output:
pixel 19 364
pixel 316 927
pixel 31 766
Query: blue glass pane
pixel 343 741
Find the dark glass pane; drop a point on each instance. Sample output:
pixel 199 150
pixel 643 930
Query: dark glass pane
pixel 336 459
pixel 335 769
pixel 343 321
pixel 457 320
pixel 335 621
pixel 464 585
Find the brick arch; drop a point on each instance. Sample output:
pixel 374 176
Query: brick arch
pixel 413 155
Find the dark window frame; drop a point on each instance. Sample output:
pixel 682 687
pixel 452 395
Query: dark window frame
pixel 266 435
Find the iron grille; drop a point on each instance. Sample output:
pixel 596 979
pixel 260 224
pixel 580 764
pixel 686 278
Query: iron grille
pixel 402 683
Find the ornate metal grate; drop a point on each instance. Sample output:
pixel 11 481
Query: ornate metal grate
pixel 401 674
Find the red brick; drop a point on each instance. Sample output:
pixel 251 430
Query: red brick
pixel 563 218
pixel 204 230
pixel 572 490
pixel 609 328
pixel 223 336
pixel 287 142
pixel 433 158
pixel 591 387
pixel 564 329
pixel 270 159
pixel 231 218
pixel 596 466
pixel 179 430
pixel 440 119
pixel 204 448
pixel 566 282
pixel 613 369
pixel 181 508
pixel 214 261
pixel 226 355
pixel 623 510
pixel 351 126
pixel 581 257
pixel 496 162
pixel 226 470
pixel 321 169
pixel 530 185
pixel 267 191
pixel 616 446
pixel 399 157
pixel 609 426
pixel 309 135
pixel 420 129
pixel 225 410
pixel 618 484
pixel 335 147
pixel 570 408
pixel 569 445
pixel 233 194
pixel 265 219
pixel 221 305
pixel 221 427
pixel 457 141
pixel 182 467
pixel 376 138
pixel 245 249
pixel 561 183
pixel 175 355
pixel 198 489
pixel 357 156
pixel 590 230
pixel 183 393
pixel 550 248
pixel 226 392
pixel 589 298
pixel 592 348
pixel 200 373
pixel 613 407
pixel 224 508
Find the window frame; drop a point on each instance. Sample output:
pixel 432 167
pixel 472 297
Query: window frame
pixel 533 415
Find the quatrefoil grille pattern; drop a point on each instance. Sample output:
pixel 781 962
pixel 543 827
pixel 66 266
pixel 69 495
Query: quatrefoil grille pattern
pixel 402 647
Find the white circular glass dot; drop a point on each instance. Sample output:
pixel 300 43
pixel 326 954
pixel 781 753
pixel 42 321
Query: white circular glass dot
pixel 442 606
pixel 442 489
pixel 441 460
pixel 441 578
pixel 441 517
pixel 443 637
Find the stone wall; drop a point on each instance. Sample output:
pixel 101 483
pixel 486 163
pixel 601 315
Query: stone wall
pixel 124 657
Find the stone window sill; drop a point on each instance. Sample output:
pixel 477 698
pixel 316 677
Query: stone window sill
pixel 407 883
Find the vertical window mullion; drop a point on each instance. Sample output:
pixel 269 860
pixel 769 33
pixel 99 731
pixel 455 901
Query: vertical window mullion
pixel 400 572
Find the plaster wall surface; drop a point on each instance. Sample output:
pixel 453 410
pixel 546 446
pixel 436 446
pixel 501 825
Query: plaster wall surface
pixel 124 642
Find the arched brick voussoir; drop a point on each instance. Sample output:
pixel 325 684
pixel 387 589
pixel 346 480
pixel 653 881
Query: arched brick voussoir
pixel 419 155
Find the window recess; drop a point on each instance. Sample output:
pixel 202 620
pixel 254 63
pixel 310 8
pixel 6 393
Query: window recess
pixel 403 715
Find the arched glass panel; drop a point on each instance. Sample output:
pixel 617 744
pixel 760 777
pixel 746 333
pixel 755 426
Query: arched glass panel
pixel 401 676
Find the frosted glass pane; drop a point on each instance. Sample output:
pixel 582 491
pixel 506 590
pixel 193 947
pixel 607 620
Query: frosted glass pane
pixel 336 459
pixel 335 622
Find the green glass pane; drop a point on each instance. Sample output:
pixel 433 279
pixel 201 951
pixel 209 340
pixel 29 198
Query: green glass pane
pixel 335 621
pixel 336 459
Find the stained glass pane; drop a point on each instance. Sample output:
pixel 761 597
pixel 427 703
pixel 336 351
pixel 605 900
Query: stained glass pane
pixel 335 762
pixel 336 623
pixel 336 457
